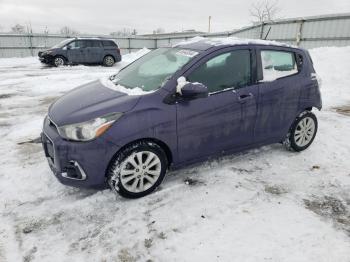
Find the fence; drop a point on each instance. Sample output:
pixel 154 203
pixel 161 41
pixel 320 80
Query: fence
pixel 310 32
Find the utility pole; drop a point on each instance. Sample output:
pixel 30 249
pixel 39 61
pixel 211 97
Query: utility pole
pixel 209 24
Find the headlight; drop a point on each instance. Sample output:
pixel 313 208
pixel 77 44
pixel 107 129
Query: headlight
pixel 88 130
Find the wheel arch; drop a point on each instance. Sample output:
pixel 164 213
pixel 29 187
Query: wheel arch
pixel 310 108
pixel 298 114
pixel 161 144
pixel 63 56
pixel 109 54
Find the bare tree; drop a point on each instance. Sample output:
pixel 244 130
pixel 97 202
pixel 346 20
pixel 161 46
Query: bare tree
pixel 46 31
pixel 19 29
pixel 67 31
pixel 264 11
pixel 125 32
pixel 29 28
pixel 159 30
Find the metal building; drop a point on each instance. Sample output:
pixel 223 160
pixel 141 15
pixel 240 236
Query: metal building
pixel 307 32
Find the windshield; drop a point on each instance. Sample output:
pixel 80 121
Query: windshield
pixel 62 44
pixel 152 70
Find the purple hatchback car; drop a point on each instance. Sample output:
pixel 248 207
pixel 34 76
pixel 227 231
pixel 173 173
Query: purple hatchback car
pixel 180 105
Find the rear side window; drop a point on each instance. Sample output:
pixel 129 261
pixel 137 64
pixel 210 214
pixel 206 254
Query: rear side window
pixel 92 43
pixel 109 43
pixel 227 70
pixel 277 64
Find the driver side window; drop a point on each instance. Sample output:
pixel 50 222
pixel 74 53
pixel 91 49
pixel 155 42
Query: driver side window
pixel 228 70
pixel 76 44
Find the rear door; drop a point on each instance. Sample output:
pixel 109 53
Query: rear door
pixel 94 51
pixel 224 120
pixel 279 92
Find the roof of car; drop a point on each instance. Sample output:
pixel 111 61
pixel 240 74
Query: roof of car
pixel 93 38
pixel 202 44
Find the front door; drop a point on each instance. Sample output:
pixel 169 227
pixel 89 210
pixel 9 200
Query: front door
pixel 225 120
pixel 76 51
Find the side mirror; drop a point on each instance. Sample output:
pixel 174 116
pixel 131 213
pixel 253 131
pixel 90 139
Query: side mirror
pixel 67 47
pixel 194 90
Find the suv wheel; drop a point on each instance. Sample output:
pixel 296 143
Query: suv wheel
pixel 137 170
pixel 302 132
pixel 59 61
pixel 108 61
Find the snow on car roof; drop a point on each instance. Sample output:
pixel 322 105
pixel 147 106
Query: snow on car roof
pixel 202 43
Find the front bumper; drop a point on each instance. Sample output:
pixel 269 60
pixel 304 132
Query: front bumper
pixel 45 58
pixel 79 164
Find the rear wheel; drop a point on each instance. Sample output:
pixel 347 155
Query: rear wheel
pixel 59 61
pixel 138 170
pixel 302 132
pixel 108 60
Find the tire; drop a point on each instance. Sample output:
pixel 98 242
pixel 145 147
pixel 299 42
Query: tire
pixel 138 170
pixel 108 61
pixel 59 61
pixel 302 132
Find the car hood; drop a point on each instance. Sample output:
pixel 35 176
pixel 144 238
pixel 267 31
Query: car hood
pixel 50 50
pixel 88 102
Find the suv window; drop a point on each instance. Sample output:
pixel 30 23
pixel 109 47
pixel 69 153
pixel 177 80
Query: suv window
pixel 228 70
pixel 277 64
pixel 76 44
pixel 108 43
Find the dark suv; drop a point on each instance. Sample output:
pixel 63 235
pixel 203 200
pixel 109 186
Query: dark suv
pixel 176 106
pixel 82 51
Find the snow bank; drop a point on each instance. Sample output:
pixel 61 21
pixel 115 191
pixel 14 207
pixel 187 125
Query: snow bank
pixel 127 59
pixel 332 64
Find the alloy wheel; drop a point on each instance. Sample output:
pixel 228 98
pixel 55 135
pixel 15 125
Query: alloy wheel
pixel 109 61
pixel 140 171
pixel 304 132
pixel 59 61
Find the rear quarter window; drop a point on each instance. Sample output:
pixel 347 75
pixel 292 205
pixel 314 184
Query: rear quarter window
pixel 109 43
pixel 277 64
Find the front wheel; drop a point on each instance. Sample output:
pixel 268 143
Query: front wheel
pixel 137 170
pixel 302 132
pixel 59 61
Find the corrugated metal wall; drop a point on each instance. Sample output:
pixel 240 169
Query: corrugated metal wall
pixel 12 45
pixel 310 32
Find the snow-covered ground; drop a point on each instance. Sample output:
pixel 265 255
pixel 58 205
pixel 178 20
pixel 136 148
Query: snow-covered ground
pixel 266 204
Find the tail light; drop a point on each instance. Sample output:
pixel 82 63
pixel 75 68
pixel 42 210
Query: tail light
pixel 118 50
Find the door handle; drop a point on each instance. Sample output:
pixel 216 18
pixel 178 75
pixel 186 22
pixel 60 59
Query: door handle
pixel 244 97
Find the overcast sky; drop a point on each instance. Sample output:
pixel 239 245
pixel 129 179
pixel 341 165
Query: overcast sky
pixel 105 16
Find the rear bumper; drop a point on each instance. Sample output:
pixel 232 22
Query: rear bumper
pixel 78 164
pixel 119 58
